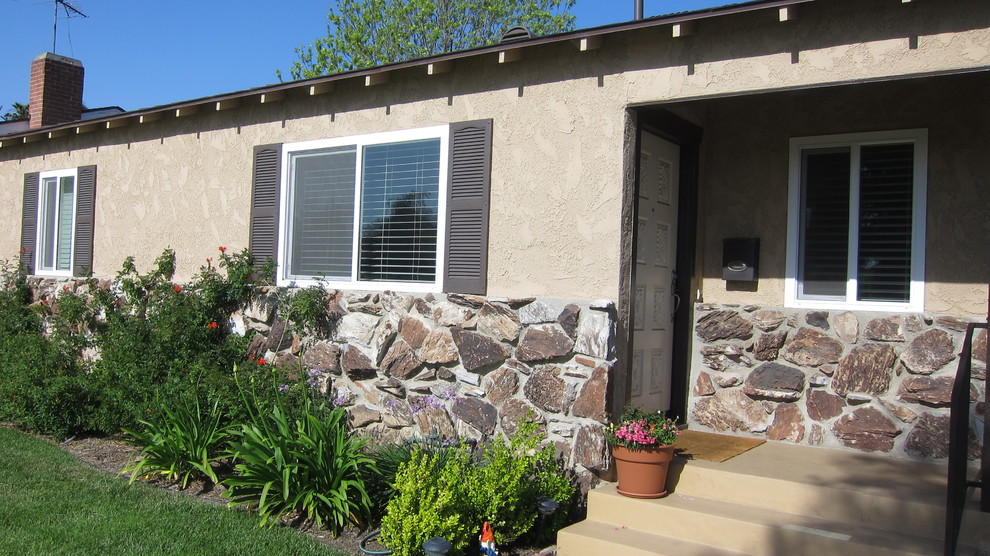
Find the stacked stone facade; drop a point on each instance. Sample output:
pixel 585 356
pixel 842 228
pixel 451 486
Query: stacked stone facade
pixel 853 380
pixel 414 365
pixel 410 365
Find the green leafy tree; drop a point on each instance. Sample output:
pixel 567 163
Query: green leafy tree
pixel 17 111
pixel 366 33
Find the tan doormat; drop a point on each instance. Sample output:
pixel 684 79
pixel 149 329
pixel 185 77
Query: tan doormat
pixel 712 447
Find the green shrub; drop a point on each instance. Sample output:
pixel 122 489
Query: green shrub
pixel 389 458
pixel 452 497
pixel 160 340
pixel 307 309
pixel 183 443
pixel 510 477
pixel 224 291
pixel 311 465
pixel 42 385
pixel 431 500
pixel 156 340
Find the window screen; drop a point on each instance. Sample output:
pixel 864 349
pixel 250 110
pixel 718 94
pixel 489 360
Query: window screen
pixel 322 213
pixel 825 222
pixel 57 204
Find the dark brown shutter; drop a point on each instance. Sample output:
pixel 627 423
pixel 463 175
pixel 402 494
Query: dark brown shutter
pixel 265 186
pixel 467 207
pixel 82 254
pixel 29 221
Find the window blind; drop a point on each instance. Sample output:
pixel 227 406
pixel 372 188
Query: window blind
pixel 400 187
pixel 886 183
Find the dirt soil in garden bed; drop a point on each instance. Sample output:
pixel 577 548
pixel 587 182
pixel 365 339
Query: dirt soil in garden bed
pixel 111 455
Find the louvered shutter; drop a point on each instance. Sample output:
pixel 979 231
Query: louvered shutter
pixel 29 221
pixel 467 207
pixel 82 257
pixel 265 186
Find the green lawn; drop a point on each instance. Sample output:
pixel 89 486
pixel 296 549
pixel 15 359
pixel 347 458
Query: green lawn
pixel 50 503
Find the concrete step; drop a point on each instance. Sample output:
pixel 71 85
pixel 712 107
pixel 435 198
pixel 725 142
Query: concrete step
pixel 748 529
pixel 863 489
pixel 595 538
pixel 780 499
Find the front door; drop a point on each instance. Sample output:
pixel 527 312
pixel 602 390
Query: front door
pixel 654 299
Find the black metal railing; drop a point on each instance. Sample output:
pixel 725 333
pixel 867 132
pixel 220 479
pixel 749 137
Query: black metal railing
pixel 958 481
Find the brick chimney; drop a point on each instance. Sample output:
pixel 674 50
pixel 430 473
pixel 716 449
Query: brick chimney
pixel 56 90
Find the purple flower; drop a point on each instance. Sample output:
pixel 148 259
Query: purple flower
pixel 448 393
pixel 314 378
pixel 424 402
pixel 283 388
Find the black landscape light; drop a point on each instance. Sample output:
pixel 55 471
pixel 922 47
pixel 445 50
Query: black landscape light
pixel 546 506
pixel 437 546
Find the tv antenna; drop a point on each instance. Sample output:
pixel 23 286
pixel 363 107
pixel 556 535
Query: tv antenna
pixel 70 10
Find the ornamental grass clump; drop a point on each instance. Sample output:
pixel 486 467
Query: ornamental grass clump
pixel 305 462
pixel 184 443
pixel 640 430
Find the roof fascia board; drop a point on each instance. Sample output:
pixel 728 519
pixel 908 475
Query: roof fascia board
pixel 812 86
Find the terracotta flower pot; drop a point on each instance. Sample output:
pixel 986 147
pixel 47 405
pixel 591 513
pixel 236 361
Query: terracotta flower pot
pixel 642 473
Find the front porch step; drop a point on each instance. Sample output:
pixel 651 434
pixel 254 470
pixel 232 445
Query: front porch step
pixel 861 489
pixel 748 529
pixel 598 538
pixel 778 499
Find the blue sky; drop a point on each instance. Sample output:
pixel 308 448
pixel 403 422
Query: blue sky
pixel 140 53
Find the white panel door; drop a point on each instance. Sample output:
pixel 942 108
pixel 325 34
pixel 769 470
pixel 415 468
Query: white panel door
pixel 656 254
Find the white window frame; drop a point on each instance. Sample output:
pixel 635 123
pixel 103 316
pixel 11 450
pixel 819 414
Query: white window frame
pixel 40 234
pixel 919 137
pixel 441 132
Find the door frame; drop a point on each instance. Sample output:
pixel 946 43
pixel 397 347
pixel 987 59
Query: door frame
pixel 687 136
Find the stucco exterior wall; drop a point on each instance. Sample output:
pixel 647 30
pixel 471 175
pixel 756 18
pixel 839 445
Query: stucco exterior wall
pixel 171 184
pixel 558 161
pixel 745 164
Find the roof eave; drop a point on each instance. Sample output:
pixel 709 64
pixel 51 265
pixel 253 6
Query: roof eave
pixel 374 75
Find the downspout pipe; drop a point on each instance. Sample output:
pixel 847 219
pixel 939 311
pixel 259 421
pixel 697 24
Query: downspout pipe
pixel 637 9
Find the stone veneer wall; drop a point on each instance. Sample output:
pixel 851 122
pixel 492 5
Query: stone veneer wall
pixel 411 365
pixel 865 381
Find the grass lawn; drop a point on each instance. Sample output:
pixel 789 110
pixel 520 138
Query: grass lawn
pixel 51 503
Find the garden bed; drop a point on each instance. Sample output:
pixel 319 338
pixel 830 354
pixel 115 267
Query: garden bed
pixel 111 455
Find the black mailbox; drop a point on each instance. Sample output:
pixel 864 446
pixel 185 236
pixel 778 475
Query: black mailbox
pixel 741 259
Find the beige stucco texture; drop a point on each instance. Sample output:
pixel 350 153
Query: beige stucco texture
pixel 558 164
pixel 745 164
pixel 170 184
